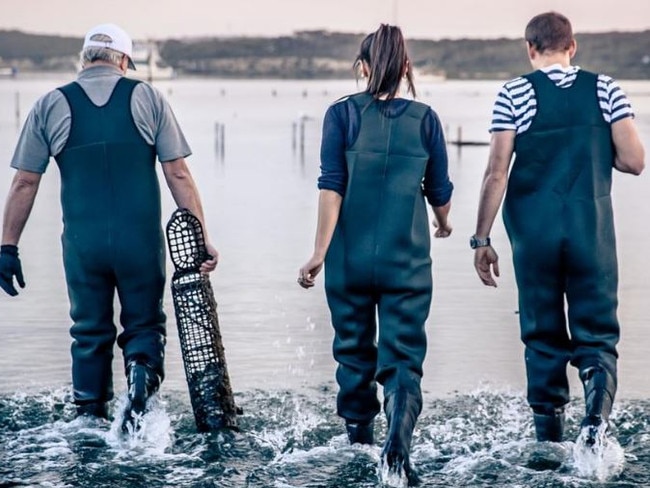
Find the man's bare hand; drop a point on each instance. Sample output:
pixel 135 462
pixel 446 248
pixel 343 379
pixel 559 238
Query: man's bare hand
pixel 486 261
pixel 209 265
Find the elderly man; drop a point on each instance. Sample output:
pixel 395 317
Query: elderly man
pixel 104 131
pixel 569 128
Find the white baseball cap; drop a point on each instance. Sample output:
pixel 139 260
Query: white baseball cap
pixel 110 36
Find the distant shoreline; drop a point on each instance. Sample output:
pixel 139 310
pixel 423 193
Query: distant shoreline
pixel 329 55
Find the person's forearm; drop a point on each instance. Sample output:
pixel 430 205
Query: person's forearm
pixel 329 207
pixel 442 213
pixel 494 181
pixel 492 191
pixel 186 195
pixel 183 189
pixel 20 202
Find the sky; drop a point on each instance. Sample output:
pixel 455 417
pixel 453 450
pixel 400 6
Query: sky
pixel 426 19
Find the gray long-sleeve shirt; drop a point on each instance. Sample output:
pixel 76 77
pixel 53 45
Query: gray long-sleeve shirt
pixel 47 126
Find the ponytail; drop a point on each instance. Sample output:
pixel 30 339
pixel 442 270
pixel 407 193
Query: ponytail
pixel 389 62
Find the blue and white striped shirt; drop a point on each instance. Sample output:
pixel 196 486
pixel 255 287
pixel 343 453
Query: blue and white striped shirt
pixel 516 106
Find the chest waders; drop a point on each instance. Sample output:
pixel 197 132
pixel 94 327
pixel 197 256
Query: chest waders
pixel 378 266
pixel 112 241
pixel 558 215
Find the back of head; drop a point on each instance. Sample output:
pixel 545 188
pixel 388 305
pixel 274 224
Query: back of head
pixel 389 63
pixel 550 31
pixel 108 43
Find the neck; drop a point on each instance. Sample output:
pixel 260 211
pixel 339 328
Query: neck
pixel 548 59
pixel 384 96
pixel 103 63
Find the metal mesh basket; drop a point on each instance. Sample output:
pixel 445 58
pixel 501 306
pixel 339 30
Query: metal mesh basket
pixel 198 326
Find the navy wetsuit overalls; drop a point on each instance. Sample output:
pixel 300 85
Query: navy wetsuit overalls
pixel 558 215
pixel 112 240
pixel 378 264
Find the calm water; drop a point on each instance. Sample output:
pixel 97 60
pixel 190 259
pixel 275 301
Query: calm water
pixel 260 201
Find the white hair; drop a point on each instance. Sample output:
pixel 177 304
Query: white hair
pixel 92 54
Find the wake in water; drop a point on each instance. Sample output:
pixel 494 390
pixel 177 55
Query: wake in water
pixel 292 439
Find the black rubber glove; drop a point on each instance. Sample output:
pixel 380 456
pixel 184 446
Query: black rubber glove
pixel 10 267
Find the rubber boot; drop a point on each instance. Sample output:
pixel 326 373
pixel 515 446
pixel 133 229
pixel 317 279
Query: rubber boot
pixel 360 433
pixel 549 426
pixel 142 382
pixel 93 409
pixel 599 396
pixel 402 409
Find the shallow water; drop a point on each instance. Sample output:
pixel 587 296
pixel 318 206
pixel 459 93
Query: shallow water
pixel 290 440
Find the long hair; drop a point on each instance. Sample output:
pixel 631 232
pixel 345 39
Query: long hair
pixel 389 62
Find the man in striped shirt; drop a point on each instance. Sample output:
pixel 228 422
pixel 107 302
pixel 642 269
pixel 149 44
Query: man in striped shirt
pixel 568 128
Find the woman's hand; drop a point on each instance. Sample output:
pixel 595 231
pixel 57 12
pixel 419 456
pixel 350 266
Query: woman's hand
pixel 309 272
pixel 442 231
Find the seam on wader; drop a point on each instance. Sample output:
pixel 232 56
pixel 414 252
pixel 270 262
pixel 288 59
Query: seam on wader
pixel 381 197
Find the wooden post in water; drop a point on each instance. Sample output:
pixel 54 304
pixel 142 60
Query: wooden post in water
pixel 17 98
pixel 302 137
pixel 222 138
pixel 217 138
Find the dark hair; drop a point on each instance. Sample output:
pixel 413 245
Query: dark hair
pixel 389 62
pixel 363 56
pixel 549 31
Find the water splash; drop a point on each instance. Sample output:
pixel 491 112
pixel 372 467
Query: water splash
pixel 153 435
pixel 293 439
pixel 391 478
pixel 601 460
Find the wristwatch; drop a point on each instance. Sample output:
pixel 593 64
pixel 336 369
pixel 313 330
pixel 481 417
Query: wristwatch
pixel 475 242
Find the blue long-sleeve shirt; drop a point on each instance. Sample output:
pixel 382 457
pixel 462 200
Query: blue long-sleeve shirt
pixel 340 131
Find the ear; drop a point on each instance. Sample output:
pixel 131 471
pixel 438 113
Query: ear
pixel 365 69
pixel 532 52
pixel 573 48
pixel 124 63
pixel 407 67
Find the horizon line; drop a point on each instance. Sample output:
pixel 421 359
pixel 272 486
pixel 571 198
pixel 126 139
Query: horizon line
pixel 313 31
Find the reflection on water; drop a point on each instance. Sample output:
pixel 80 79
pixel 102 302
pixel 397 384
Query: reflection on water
pixel 258 190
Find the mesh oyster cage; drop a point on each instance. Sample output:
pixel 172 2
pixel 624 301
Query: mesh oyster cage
pixel 197 321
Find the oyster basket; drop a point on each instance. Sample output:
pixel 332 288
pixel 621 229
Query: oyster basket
pixel 195 307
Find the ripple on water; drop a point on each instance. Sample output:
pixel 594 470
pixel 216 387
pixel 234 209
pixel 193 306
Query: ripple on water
pixel 292 439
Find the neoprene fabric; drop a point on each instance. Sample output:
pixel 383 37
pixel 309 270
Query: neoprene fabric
pixel 112 240
pixel 378 264
pixel 558 215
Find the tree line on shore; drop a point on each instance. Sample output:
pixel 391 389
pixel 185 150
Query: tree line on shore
pixel 324 54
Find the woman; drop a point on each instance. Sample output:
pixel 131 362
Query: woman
pixel 381 155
